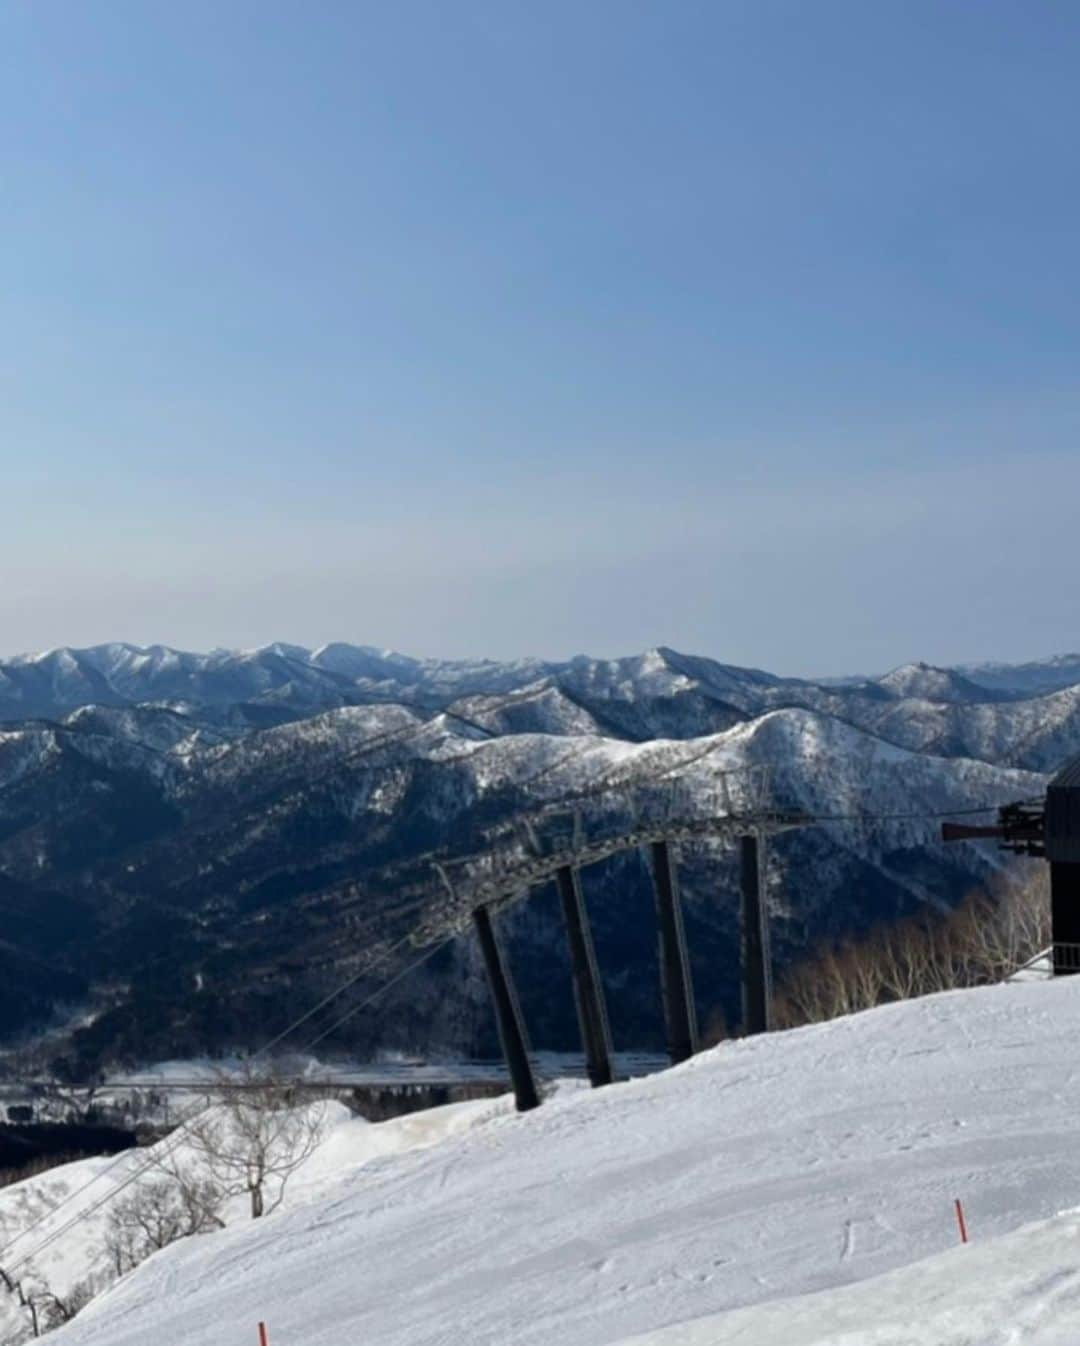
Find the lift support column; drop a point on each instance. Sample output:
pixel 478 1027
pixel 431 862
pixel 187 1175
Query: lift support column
pixel 676 988
pixel 756 960
pixel 1062 821
pixel 1065 917
pixel 588 992
pixel 507 1014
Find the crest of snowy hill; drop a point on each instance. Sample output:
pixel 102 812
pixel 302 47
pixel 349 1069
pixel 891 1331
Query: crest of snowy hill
pixel 792 1189
pixel 924 682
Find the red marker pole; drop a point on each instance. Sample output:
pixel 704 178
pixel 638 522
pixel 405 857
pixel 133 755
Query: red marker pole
pixel 264 1340
pixel 959 1220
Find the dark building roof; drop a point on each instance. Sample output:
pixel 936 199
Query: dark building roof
pixel 1063 815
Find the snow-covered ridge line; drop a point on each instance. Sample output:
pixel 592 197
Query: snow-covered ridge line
pixel 658 694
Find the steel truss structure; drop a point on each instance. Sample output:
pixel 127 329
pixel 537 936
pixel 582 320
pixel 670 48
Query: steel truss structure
pixel 555 844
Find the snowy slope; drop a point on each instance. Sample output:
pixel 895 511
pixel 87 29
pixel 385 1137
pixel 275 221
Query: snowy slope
pixel 75 1189
pixel 1022 1288
pixel 764 1169
pixel 1038 733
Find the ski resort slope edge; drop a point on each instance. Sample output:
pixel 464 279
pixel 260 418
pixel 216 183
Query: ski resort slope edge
pixel 765 1169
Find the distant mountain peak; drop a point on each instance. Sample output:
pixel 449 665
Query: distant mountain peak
pixel 1028 679
pixel 930 683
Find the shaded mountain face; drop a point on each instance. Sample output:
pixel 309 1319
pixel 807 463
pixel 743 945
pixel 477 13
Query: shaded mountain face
pixel 198 846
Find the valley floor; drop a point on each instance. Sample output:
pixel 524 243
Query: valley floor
pixel 762 1170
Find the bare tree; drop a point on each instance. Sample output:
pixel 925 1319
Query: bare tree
pixel 984 940
pixel 157 1212
pixel 26 1306
pixel 40 1306
pixel 28 1291
pixel 803 996
pixel 1001 931
pixel 53 1310
pixel 255 1137
pixel 904 960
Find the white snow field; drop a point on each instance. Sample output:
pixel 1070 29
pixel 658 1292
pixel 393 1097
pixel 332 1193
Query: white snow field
pixel 759 1172
pixel 1020 1288
pixel 70 1219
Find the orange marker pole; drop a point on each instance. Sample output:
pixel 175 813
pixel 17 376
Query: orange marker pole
pixel 959 1220
pixel 264 1340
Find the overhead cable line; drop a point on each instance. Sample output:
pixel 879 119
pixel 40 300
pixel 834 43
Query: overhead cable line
pixel 176 1135
pixel 364 1004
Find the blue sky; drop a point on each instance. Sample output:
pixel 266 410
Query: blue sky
pixel 506 328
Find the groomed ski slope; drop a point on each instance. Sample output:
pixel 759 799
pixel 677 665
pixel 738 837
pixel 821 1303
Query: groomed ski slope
pixel 75 1230
pixel 1020 1288
pixel 761 1170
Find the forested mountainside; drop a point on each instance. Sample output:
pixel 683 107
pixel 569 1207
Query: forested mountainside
pixel 192 846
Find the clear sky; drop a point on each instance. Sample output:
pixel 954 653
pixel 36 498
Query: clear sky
pixel 493 328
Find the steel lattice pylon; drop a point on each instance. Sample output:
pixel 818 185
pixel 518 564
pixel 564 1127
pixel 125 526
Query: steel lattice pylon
pixel 557 842
pixel 531 848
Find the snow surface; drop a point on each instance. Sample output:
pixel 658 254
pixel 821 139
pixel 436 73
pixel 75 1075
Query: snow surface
pixel 347 1142
pixel 764 1169
pixel 1021 1288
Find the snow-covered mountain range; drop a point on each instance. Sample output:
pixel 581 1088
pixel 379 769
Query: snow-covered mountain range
pixel 197 843
pixel 1022 715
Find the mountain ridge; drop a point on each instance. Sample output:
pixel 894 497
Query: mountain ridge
pixel 123 673
pixel 256 821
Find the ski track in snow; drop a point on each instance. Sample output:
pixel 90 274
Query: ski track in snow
pixel 1019 1290
pixel 762 1170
